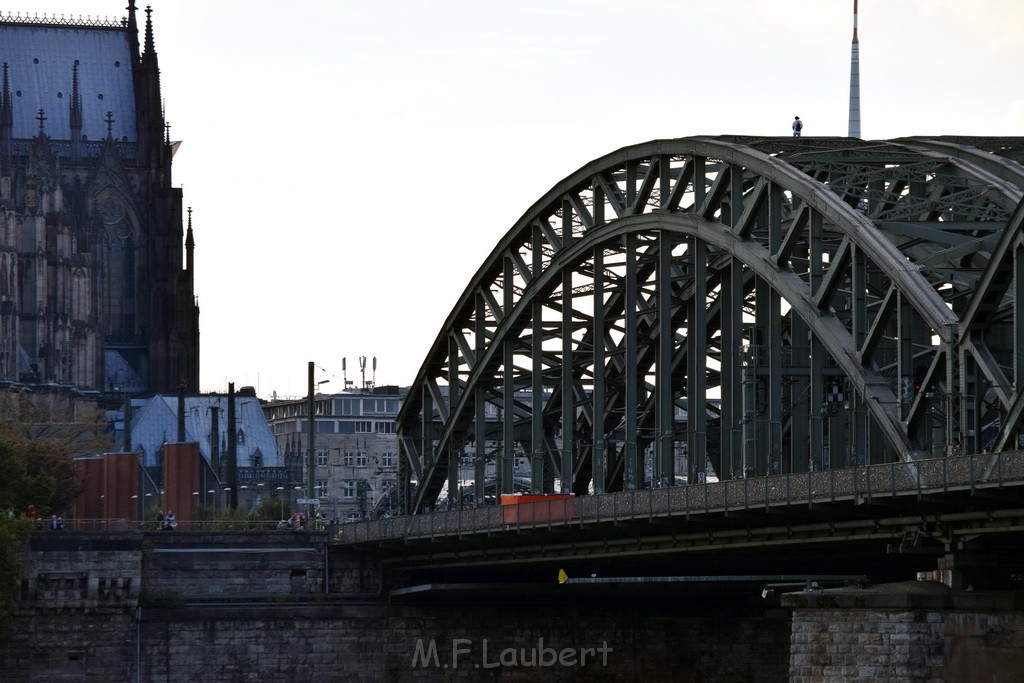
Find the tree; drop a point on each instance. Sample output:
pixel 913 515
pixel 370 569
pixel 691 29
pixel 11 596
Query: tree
pixel 38 436
pixel 13 532
pixel 36 473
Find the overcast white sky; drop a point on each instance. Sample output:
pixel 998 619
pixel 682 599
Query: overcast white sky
pixel 352 163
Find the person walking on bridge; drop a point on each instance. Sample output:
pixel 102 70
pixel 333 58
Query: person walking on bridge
pixel 798 126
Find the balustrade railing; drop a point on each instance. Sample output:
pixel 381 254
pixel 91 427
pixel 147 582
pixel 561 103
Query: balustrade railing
pixel 863 483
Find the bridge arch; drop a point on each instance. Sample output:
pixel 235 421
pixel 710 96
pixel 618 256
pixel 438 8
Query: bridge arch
pixel 766 305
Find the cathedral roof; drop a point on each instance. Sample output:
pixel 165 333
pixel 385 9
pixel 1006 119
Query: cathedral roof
pixel 156 423
pixel 41 59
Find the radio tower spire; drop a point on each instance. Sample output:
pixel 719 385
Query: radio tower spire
pixel 854 131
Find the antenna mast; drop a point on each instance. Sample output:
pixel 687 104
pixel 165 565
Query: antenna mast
pixel 854 131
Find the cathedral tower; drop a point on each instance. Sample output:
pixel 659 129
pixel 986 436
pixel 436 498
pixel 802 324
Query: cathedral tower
pixel 95 293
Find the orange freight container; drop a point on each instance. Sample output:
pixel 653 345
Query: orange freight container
pixel 537 508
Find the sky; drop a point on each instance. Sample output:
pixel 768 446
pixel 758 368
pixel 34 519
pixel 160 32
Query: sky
pixel 351 163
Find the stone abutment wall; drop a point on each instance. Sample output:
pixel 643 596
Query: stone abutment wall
pixel 255 607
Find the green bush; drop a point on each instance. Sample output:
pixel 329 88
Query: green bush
pixel 271 509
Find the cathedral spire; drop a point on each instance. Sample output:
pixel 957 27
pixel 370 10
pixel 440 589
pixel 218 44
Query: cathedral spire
pixel 133 31
pixel 75 113
pixel 6 116
pixel 150 49
pixel 76 100
pixel 190 243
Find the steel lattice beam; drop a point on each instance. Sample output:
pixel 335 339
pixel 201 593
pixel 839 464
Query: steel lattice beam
pixel 719 296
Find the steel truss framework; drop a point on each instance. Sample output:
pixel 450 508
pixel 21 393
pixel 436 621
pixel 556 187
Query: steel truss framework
pixel 771 304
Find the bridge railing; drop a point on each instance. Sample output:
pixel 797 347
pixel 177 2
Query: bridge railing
pixel 117 525
pixel 860 484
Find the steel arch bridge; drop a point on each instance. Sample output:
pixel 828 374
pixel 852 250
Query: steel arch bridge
pixel 757 304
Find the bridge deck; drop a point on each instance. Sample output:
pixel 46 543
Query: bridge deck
pixel 882 483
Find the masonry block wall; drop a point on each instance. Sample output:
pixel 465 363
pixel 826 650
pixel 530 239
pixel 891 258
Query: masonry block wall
pixel 237 566
pixel 460 641
pixel 296 631
pixel 919 631
pixel 202 607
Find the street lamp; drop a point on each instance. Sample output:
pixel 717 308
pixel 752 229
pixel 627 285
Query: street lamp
pixel 311 436
pixel 280 499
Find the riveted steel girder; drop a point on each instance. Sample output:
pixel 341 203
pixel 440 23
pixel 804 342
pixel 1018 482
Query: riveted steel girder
pixel 753 304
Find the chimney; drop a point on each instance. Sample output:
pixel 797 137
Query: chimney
pixel 232 448
pixel 215 440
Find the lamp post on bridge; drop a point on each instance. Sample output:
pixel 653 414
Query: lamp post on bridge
pixel 311 438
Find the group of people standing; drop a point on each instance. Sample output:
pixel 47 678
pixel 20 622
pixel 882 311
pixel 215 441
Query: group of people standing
pixel 56 522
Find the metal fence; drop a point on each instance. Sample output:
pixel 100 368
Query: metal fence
pixel 129 526
pixel 917 478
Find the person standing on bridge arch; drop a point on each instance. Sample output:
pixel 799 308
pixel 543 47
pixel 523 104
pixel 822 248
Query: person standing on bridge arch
pixel 798 126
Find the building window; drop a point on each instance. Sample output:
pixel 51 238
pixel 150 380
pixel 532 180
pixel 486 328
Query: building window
pixel 352 517
pixel 385 427
pixel 257 459
pixel 240 437
pixel 349 458
pixel 360 459
pixel 321 458
pixel 321 488
pixel 348 489
pixel 387 459
pixel 364 427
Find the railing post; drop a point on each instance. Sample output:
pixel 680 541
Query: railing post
pixel 867 475
pixel 970 470
pixel 856 463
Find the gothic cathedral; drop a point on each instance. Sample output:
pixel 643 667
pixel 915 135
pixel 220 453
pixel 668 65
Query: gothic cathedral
pixel 96 275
